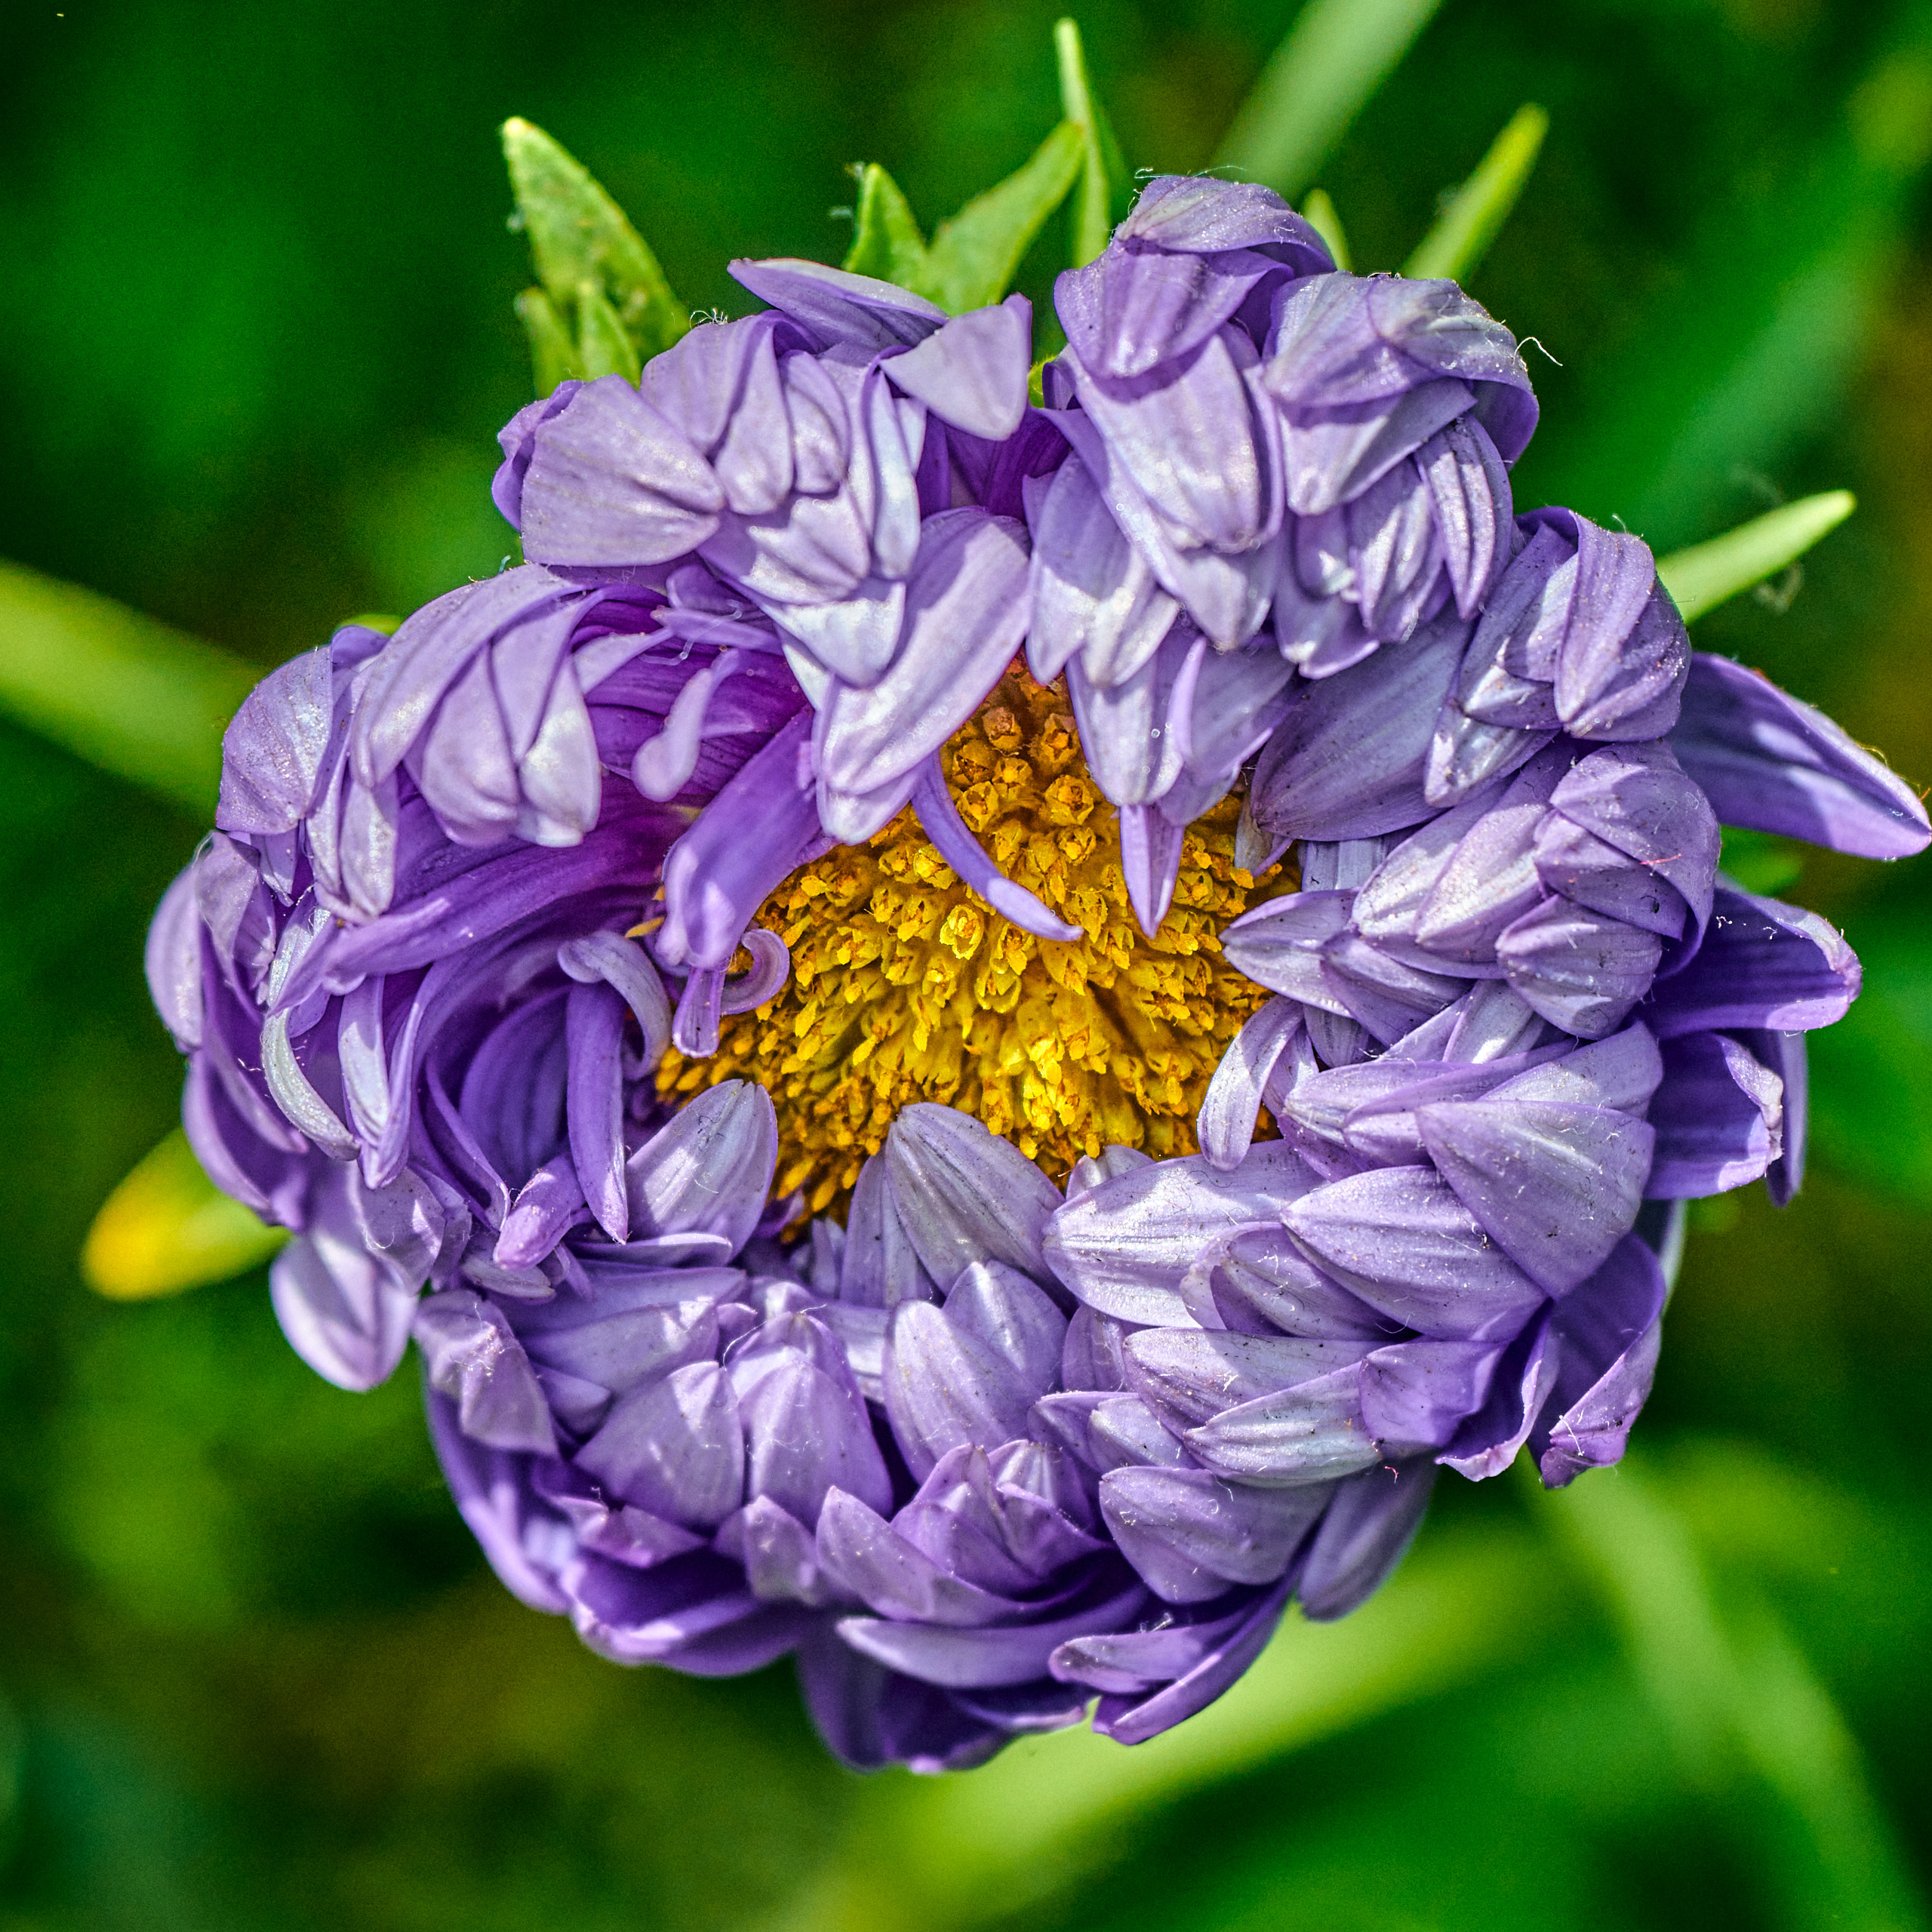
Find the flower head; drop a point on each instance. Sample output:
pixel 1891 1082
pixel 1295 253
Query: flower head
pixel 973 1038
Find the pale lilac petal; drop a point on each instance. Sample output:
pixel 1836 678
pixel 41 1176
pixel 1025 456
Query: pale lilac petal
pixel 1403 1241
pixel 971 371
pixel 939 819
pixel 966 1195
pixel 594 1029
pixel 1225 1126
pixel 1128 1247
pixel 709 1169
pixel 1608 1334
pixel 837 306
pixel 1557 1186
pixel 470 1355
pixel 272 753
pixel 1092 593
pixel 611 482
pixel 1581 970
pixel 1194 1689
pixel 965 616
pixel 1347 763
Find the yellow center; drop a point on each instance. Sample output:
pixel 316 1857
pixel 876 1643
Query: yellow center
pixel 905 986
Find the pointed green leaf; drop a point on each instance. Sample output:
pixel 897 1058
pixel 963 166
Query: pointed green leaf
pixel 553 356
pixel 1103 192
pixel 1319 212
pixel 1478 208
pixel 1336 54
pixel 887 243
pixel 120 690
pixel 602 346
pixel 1706 574
pixel 975 256
pixel 578 234
pixel 167 1227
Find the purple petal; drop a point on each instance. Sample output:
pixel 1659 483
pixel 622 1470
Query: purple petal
pixel 470 1355
pixel 492 1491
pixel 1556 1186
pixel 967 1658
pixel 971 372
pixel 945 1388
pixel 709 1169
pixel 1091 593
pixel 806 1435
pixel 965 616
pixel 673 1446
pixel 1581 970
pixel 1773 763
pixel 1608 1333
pixel 345 1312
pixel 1197 214
pixel 1366 1532
pixel 1135 1722
pixel 1471 488
pixel 837 306
pixel 869 1558
pixel 594 1026
pixel 1719 1118
pixel 611 482
pixel 1762 964
pixel 273 751
pixel 762 825
pixel 1190 1535
pixel 1348 762
pixel 1150 850
pixel 1225 1126
pixel 939 819
pixel 1227 596
pixel 1014 1318
pixel 1128 1247
pixel 964 1194
pixel 1402 1241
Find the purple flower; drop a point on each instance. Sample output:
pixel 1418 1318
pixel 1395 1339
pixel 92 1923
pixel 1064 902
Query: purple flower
pixel 869 1172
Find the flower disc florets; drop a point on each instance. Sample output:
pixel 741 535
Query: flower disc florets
pixel 905 986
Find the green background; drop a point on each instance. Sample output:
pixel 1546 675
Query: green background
pixel 255 344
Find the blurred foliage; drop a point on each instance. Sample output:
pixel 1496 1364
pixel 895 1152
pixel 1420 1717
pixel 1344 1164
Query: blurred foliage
pixel 252 1671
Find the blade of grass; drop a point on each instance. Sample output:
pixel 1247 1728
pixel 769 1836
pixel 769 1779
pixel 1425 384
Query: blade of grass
pixel 1103 175
pixel 975 256
pixel 1336 54
pixel 1476 212
pixel 1321 215
pixel 1705 575
pixel 121 690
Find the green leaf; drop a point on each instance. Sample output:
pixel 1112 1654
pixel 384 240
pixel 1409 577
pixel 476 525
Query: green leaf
pixel 1707 574
pixel 578 234
pixel 1478 208
pixel 1320 213
pixel 167 1227
pixel 887 244
pixel 1103 192
pixel 1336 54
pixel 602 346
pixel 975 256
pixel 553 356
pixel 123 691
